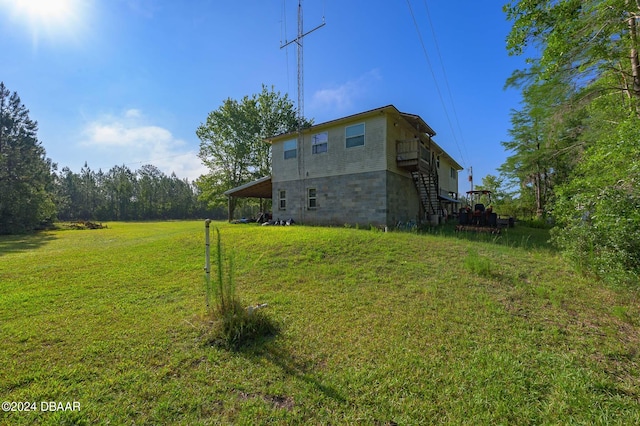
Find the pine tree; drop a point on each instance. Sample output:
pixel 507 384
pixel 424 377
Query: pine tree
pixel 26 180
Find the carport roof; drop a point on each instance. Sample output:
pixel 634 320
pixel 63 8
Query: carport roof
pixel 260 188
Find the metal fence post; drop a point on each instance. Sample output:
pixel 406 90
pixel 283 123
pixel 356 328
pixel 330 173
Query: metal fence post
pixel 207 262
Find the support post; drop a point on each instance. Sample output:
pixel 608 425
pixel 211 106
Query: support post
pixel 207 259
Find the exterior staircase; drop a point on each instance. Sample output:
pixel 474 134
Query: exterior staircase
pixel 427 187
pixel 421 163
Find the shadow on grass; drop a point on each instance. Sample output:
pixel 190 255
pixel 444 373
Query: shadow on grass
pixel 518 237
pixel 268 349
pixel 26 242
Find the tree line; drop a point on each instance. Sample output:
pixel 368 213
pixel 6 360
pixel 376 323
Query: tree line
pixel 33 193
pixel 124 194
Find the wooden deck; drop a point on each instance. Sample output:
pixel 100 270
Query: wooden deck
pixel 411 156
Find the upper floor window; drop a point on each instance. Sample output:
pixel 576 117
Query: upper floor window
pixel 319 142
pixel 454 173
pixel 355 135
pixel 290 149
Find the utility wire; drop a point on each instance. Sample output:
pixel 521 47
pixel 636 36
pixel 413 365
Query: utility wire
pixel 446 81
pixel 426 55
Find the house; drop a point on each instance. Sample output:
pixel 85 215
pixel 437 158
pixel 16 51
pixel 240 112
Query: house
pixel 378 167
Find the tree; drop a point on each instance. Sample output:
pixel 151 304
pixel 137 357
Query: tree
pixel 26 175
pixel 543 143
pixel 578 41
pixel 149 191
pixel 589 150
pixel 232 141
pixel 120 185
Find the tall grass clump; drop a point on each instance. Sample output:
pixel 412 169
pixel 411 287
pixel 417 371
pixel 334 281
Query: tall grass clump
pixel 233 324
pixel 477 264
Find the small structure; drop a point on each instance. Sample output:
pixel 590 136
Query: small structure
pixel 379 167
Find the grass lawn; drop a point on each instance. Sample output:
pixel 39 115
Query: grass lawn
pixel 376 328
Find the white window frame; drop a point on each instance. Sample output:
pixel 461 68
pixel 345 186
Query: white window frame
pixel 312 200
pixel 320 143
pixel 282 199
pixel 354 136
pixel 290 153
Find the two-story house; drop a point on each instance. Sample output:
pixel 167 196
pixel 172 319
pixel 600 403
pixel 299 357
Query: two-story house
pixel 378 167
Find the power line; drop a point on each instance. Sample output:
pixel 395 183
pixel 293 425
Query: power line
pixel 426 55
pixel 446 81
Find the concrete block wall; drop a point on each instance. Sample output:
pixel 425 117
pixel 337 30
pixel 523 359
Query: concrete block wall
pixel 402 199
pixel 370 198
pixel 356 198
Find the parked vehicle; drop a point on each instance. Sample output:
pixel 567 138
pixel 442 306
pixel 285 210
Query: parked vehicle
pixel 479 213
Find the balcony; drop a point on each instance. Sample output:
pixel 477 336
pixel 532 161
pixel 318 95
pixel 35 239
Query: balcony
pixel 412 156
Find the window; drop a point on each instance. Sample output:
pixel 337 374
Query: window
pixel 311 197
pixel 355 135
pixel 319 142
pixel 290 149
pixel 438 161
pixel 282 195
pixel 454 174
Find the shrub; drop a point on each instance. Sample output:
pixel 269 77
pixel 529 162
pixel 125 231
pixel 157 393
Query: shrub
pixel 598 211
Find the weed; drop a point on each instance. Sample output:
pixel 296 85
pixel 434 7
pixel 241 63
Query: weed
pixel 233 324
pixel 477 264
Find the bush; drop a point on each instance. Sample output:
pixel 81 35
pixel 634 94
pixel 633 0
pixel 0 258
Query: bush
pixel 598 212
pixel 236 325
pixel 603 238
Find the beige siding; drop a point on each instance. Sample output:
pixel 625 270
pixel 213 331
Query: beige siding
pixel 447 184
pixel 362 184
pixel 399 132
pixel 283 170
pixel 338 160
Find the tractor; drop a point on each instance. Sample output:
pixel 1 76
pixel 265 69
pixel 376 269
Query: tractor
pixel 479 214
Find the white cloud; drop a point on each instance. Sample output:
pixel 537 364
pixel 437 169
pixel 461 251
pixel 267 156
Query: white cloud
pixel 342 98
pixel 133 113
pixel 128 139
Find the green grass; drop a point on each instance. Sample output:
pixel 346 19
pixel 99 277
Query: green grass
pixel 377 328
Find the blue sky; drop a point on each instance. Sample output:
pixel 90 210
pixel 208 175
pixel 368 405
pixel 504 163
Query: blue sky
pixel 114 82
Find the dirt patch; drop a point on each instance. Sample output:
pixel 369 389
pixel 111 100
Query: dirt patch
pixel 85 225
pixel 278 401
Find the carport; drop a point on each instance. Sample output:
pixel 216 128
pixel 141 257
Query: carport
pixel 260 188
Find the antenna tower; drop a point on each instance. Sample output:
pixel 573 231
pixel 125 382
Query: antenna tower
pixel 298 42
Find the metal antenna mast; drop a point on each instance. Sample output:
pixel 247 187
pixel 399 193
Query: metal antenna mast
pixel 300 147
pixel 298 42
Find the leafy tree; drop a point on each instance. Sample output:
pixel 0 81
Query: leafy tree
pixel 578 41
pixel 67 186
pixel 232 141
pixel 543 144
pixel 26 175
pixel 499 197
pixel 589 154
pixel 599 207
